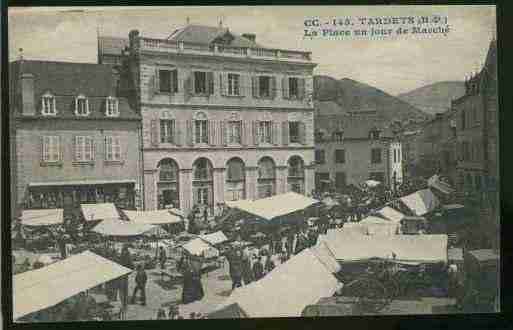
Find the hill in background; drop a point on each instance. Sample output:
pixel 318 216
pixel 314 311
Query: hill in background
pixel 434 98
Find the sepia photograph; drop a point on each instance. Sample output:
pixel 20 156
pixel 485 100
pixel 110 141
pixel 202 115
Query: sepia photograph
pixel 242 162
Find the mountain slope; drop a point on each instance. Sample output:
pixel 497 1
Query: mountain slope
pixel 436 97
pixel 346 95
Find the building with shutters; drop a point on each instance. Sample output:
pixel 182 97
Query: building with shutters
pixel 351 149
pixel 224 118
pixel 75 136
pixel 476 115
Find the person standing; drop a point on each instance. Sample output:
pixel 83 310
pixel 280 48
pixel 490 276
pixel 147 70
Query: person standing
pixel 125 261
pixel 235 262
pixel 258 269
pixel 140 285
pixel 247 274
pixel 269 265
pixel 162 257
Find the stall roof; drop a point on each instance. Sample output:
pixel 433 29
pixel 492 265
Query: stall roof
pixel 453 207
pixel 455 254
pixel 155 217
pixel 44 217
pixel 45 287
pixel 390 213
pixel 436 183
pixel 232 311
pixel 114 227
pixel 99 211
pixel 409 248
pixel 286 290
pixel 197 246
pixel 372 183
pixel 214 238
pixel 484 255
pixel 421 202
pixel 371 220
pixel 274 206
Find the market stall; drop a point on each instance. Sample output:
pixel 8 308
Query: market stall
pixel 99 211
pixel 390 213
pixel 421 202
pixel 39 289
pixel 285 291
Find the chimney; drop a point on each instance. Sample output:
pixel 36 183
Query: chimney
pixel 249 36
pixel 28 101
pixel 133 38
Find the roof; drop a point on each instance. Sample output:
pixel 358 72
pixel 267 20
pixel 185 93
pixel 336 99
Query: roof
pixel 287 289
pixel 408 248
pixel 421 202
pixel 66 80
pixel 354 127
pixel 391 214
pixel 79 182
pixel 484 255
pixel 214 238
pixel 275 206
pixel 232 311
pixel 45 287
pixel 436 183
pixel 113 227
pixel 99 211
pixel 455 254
pixel 202 34
pixel 155 217
pixel 371 226
pixel 112 45
pixel 197 247
pixel 44 217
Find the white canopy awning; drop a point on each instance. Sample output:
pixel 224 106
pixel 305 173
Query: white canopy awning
pixel 156 217
pixel 436 183
pixel 286 290
pixel 372 183
pixel 114 227
pixel 79 183
pixel 99 211
pixel 198 247
pixel 214 238
pixel 391 214
pixel 274 206
pixel 44 217
pixel 421 202
pixel 409 248
pixel 45 287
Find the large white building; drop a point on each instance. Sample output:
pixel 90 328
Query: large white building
pixel 224 118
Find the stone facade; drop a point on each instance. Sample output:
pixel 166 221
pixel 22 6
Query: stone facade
pixel 197 125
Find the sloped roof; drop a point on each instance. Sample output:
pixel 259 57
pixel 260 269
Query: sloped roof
pixel 202 34
pixel 113 227
pixel 43 217
pixel 421 202
pixel 390 213
pixel 354 127
pixel 154 217
pixel 66 80
pixel 99 211
pixel 214 238
pixel 45 287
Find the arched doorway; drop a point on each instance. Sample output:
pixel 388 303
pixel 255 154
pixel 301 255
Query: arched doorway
pixel 202 182
pixel 168 184
pixel 266 177
pixel 235 180
pixel 296 175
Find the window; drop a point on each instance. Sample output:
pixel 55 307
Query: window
pixel 376 156
pixel 319 136
pixel 168 184
pixel 338 136
pixel 48 105
pixel 320 156
pixel 168 171
pixel 203 186
pixel 264 83
pixel 112 107
pixel 395 156
pixel 374 134
pixel 168 81
pixel 340 156
pixel 294 133
pixel 200 82
pixel 340 180
pixel 235 179
pixel 167 127
pixel 84 148
pixel 201 128
pixel 233 84
pixel 202 170
pixel 51 149
pixel 234 132
pixel 265 131
pixel 296 167
pixel 112 148
pixel 266 177
pixel 293 88
pixel 81 106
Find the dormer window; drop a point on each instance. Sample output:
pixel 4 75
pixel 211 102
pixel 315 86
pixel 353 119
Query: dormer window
pixel 81 106
pixel 48 105
pixel 111 107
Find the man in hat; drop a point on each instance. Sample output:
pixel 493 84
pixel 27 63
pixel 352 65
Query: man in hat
pixel 162 257
pixel 258 269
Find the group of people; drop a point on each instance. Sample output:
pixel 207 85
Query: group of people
pixel 240 268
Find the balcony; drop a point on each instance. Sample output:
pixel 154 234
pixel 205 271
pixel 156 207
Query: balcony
pixel 166 46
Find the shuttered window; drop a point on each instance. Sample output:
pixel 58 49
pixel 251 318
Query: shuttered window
pixel 265 131
pixel 201 131
pixel 112 148
pixel 233 84
pixel 51 149
pixel 84 148
pixel 234 132
pixel 167 131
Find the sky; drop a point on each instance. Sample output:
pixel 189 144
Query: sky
pixel 395 64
